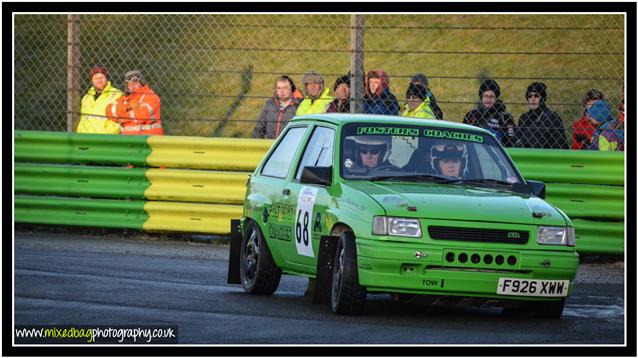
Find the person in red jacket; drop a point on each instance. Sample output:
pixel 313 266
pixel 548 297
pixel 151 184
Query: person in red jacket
pixel 582 129
pixel 138 112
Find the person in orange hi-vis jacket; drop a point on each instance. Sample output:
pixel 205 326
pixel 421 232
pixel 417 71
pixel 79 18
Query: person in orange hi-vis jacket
pixel 138 112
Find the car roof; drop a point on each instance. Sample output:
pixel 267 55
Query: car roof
pixel 345 118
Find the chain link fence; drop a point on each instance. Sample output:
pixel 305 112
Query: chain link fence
pixel 214 72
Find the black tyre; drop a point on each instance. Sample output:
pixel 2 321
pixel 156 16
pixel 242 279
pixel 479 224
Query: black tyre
pixel 347 296
pixel 549 309
pixel 540 309
pixel 257 270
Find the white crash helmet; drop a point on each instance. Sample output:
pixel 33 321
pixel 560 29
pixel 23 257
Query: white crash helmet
pixel 448 151
pixel 384 143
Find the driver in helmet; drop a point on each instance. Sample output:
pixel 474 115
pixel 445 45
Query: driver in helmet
pixel 449 159
pixel 371 152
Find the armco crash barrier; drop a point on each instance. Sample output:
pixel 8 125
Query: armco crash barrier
pixel 82 179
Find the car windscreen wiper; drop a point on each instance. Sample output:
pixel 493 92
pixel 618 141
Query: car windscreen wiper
pixel 429 177
pixel 482 181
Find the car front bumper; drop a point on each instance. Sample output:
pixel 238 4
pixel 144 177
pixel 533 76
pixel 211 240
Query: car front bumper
pixel 400 267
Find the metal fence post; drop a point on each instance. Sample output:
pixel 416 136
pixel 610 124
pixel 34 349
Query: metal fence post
pixel 356 63
pixel 73 71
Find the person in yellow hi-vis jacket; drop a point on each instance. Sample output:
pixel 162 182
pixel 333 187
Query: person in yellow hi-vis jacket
pixel 93 111
pixel 317 98
pixel 417 103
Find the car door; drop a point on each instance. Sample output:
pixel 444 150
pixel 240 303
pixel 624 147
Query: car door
pixel 310 201
pixel 267 193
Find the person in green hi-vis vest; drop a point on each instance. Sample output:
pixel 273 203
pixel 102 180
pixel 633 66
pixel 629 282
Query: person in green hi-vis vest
pixel 317 98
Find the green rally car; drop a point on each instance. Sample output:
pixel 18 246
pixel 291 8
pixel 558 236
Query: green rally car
pixel 381 204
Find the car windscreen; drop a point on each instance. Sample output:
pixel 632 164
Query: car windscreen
pixel 385 151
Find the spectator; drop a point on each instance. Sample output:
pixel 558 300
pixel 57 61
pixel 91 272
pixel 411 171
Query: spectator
pixel 341 104
pixel 277 110
pixel 492 114
pixel 93 111
pixel 621 107
pixel 138 113
pixel 417 103
pixel 420 78
pixel 378 98
pixel 609 134
pixel 582 129
pixel 540 127
pixel 317 98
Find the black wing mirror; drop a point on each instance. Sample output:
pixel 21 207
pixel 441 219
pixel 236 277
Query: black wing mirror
pixel 538 188
pixel 317 175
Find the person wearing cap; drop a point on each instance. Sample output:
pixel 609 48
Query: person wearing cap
pixel 417 103
pixel 277 110
pixel 317 98
pixel 93 110
pixel 341 104
pixel 582 129
pixel 540 127
pixel 378 99
pixel 609 134
pixel 449 159
pixel 138 113
pixel 422 79
pixel 491 114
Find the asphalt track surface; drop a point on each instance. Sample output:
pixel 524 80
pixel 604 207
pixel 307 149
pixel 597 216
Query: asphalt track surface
pixel 68 279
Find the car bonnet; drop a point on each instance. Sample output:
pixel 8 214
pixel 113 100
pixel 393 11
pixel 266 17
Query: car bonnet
pixel 459 202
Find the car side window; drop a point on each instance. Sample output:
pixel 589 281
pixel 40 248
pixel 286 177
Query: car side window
pixel 280 160
pixel 318 152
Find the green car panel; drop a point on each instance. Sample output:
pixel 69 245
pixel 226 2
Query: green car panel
pixel 295 216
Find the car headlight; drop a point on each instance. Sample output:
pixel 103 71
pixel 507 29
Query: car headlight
pixel 384 225
pixel 551 235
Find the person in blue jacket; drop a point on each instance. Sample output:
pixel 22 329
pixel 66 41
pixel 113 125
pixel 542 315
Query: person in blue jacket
pixel 378 98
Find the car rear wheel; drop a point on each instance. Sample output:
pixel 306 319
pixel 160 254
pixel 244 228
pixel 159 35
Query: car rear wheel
pixel 258 272
pixel 347 296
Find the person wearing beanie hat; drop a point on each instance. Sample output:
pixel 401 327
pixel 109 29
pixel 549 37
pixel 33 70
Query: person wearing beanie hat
pixel 540 127
pixel 491 114
pixel 138 113
pixel 341 103
pixel 490 85
pixel 422 79
pixel 609 134
pixel 277 110
pixel 378 98
pixel 317 98
pixel 93 106
pixel 541 91
pixel 417 102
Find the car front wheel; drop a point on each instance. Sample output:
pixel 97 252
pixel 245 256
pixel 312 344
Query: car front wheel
pixel 540 309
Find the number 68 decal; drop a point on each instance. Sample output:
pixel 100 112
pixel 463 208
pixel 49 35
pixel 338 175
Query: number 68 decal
pixel 303 228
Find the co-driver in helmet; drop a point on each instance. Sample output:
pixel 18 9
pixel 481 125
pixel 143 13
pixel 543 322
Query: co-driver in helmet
pixel 449 159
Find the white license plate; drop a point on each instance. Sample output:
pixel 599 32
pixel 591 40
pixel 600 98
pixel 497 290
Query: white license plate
pixel 525 287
